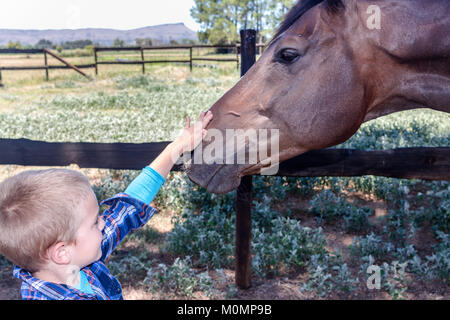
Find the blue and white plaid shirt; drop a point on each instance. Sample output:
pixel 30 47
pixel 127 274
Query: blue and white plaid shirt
pixel 124 215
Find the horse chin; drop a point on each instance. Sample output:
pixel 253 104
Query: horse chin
pixel 216 178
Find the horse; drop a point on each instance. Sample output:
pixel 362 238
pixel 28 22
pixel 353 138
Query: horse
pixel 331 66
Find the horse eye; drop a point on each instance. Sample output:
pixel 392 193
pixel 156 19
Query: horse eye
pixel 288 55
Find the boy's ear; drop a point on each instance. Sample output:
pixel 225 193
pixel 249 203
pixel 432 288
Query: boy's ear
pixel 60 253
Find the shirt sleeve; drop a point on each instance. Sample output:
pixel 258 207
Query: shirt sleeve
pixel 146 185
pixel 124 215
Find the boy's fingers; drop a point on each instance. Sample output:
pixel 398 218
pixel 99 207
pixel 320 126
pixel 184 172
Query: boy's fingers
pixel 203 120
pixel 207 118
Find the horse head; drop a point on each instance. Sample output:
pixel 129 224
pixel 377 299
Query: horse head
pixel 327 70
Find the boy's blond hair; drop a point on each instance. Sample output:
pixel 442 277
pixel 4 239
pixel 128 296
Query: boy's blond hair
pixel 37 210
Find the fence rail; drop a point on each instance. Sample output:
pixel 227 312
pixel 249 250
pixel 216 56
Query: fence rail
pixel 22 51
pixel 407 163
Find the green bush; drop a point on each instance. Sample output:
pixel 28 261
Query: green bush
pixel 328 207
pixel 177 279
pixel 286 246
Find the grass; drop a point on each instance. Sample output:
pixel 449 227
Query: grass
pixel 187 250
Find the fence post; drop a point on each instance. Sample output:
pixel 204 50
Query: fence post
pixel 190 58
pixel 1 85
pixel 143 61
pixel 244 191
pixel 46 65
pixel 237 56
pixel 95 58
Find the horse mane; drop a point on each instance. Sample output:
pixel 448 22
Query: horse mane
pixel 302 6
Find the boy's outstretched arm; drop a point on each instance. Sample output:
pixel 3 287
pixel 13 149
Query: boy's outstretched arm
pixel 187 141
pixel 131 210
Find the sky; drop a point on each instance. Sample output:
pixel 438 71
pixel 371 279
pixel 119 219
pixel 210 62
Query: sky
pixel 77 14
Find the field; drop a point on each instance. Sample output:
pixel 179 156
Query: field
pixel 312 238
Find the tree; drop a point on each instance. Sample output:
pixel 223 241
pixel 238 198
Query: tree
pixel 89 49
pixel 144 42
pixel 118 43
pixel 14 45
pixel 221 20
pixel 278 10
pixel 188 41
pixel 77 44
pixel 44 44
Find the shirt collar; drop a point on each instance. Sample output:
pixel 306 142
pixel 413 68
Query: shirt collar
pixel 49 289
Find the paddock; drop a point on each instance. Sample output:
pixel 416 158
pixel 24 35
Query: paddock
pixel 409 163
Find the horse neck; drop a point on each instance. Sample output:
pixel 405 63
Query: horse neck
pixel 406 63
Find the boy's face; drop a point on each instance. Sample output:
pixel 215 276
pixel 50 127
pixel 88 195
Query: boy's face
pixel 89 235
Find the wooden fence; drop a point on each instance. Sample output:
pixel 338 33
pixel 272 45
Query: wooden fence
pixel 45 66
pixel 408 163
pixel 97 62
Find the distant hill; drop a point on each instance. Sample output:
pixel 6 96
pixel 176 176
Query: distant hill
pixel 163 33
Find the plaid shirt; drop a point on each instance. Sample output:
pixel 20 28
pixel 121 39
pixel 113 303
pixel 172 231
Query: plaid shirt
pixel 124 215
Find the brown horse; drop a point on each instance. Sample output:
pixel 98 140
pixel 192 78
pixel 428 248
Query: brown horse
pixel 333 65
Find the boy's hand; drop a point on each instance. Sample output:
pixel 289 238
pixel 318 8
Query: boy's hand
pixel 191 136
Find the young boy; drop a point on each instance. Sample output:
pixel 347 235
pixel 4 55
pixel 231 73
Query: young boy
pixel 50 226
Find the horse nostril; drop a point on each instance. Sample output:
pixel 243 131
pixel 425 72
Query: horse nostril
pixel 234 113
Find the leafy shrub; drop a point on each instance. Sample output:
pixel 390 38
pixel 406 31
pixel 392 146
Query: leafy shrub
pixel 370 245
pixel 141 81
pixel 209 236
pixel 328 207
pixel 287 245
pixel 178 279
pixel 132 265
pixel 440 259
pixel 111 184
pixel 277 243
pixel 66 84
pixel 328 273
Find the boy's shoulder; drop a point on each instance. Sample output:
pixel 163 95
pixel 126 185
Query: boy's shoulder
pixel 35 289
pixel 105 285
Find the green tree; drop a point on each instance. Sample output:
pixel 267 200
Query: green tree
pixel 218 19
pixel 14 45
pixel 43 43
pixel 144 42
pixel 187 41
pixel 221 20
pixel 118 43
pixel 77 44
pixel 278 9
pixel 89 49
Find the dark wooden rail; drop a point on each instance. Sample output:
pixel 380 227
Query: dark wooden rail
pixel 406 163
pixel 82 66
pixel 24 51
